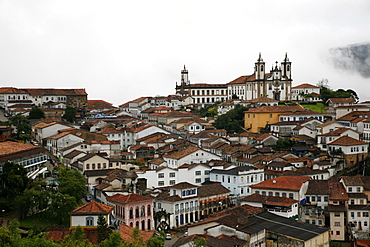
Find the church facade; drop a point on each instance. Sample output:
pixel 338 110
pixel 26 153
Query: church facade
pixel 275 84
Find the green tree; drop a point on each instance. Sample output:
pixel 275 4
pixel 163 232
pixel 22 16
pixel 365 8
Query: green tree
pixel 60 206
pixel 14 179
pixel 23 127
pixel 103 230
pixel 157 241
pixel 77 238
pixel 200 242
pixel 70 114
pixel 36 113
pixel 232 121
pixel 72 182
pixel 136 240
pixel 114 240
pixel 283 144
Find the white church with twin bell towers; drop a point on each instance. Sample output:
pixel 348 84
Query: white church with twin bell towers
pixel 276 85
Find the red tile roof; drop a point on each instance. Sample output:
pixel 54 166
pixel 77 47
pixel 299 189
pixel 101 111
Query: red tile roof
pixel 182 153
pixel 284 183
pixel 305 85
pixel 120 198
pixel 346 141
pixel 243 79
pixel 276 109
pixel 342 100
pixel 92 208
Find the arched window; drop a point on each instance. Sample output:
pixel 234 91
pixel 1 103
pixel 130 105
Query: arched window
pixel 93 166
pixel 143 225
pixel 131 213
pixel 137 212
pixel 142 214
pixel 87 166
pixel 287 68
pixel 137 224
pixel 149 225
pixel 149 210
pixel 261 67
pixel 131 224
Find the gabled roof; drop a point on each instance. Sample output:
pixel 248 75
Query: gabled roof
pixel 183 185
pixel 342 100
pixel 212 190
pixel 346 141
pixel 92 208
pixel 242 79
pixel 266 109
pixel 283 183
pixel 183 153
pixel 130 198
pixel 270 200
pixel 305 85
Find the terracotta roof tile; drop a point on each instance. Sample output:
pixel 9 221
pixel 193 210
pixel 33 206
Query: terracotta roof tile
pixel 92 208
pixel 346 141
pixel 285 182
pixel 130 198
pixel 305 85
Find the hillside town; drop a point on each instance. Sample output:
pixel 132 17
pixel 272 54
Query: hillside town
pixel 261 160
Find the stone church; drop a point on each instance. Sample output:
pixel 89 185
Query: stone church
pixel 275 84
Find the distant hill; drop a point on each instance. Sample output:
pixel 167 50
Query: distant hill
pixel 353 58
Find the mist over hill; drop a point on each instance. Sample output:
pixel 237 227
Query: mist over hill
pixel 353 58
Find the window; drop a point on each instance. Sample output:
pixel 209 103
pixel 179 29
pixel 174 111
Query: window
pixel 313 222
pixel 338 232
pixel 87 166
pixel 149 210
pixel 358 189
pixel 89 221
pixel 172 174
pixel 313 199
pixel 283 194
pixel 131 213
pixel 160 175
pixel 277 194
pixel 198 173
pixel 353 214
pixel 337 214
pixel 198 180
pixel 159 205
pixel 319 198
pixel 365 214
pixel 291 195
pixel 160 183
pixel 349 189
pixel 172 182
pixel 270 193
pixel 326 198
pixel 358 214
pixel 336 223
pixel 206 172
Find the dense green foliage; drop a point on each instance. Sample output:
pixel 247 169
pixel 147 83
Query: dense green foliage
pixel 14 180
pixel 72 182
pixel 232 121
pixel 23 127
pixel 103 230
pixel 70 114
pixel 327 93
pixel 10 236
pixel 36 113
pixel 208 111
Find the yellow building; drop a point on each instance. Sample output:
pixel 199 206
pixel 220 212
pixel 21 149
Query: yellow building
pixel 257 118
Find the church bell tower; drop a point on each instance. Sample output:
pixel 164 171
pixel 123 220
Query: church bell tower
pixel 259 69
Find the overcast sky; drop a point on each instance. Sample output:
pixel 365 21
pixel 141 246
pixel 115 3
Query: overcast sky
pixel 121 50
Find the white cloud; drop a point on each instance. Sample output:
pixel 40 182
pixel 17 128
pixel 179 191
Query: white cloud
pixel 120 50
